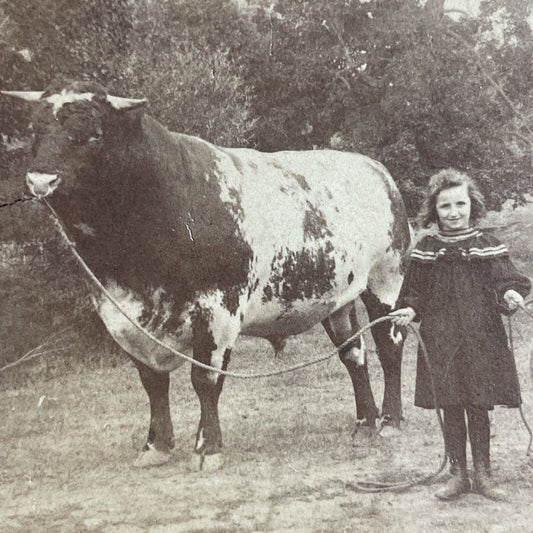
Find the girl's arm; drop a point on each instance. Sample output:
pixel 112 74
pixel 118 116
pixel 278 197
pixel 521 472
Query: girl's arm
pixel 510 285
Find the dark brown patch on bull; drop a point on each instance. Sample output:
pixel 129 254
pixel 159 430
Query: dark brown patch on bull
pixel 315 224
pixel 302 275
pixel 230 299
pixel 302 182
pixel 203 343
pixel 158 314
pixel 350 278
pixel 165 360
pixel 278 343
pixel 252 288
pixel 268 294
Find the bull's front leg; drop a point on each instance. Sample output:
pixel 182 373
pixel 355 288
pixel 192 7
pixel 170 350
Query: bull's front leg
pixel 160 439
pixel 208 386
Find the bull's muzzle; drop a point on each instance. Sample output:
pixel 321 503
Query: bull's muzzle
pixel 42 185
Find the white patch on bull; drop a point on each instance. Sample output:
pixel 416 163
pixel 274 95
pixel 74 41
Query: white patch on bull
pixel 119 103
pixel 41 184
pixel 223 325
pixel 201 439
pixel 385 277
pixel 162 310
pixel 67 97
pixel 85 229
pixel 356 210
pixel 115 321
pixel 134 341
pixel 397 337
pixel 357 355
pixel 190 220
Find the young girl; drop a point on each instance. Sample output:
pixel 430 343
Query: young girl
pixel 457 283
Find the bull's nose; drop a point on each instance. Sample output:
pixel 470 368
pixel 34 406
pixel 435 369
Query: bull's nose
pixel 42 184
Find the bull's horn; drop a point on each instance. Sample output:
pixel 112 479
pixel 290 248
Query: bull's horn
pixel 125 103
pixel 30 96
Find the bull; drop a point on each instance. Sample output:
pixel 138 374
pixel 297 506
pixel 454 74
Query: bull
pixel 201 244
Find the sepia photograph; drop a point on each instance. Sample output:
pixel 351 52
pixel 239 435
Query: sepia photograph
pixel 266 266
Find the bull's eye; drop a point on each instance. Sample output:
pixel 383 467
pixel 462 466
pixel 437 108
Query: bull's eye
pixel 77 137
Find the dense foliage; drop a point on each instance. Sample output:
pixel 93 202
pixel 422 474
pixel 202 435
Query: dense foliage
pixel 398 80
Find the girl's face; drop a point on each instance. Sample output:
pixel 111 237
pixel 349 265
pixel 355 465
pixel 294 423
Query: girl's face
pixel 453 208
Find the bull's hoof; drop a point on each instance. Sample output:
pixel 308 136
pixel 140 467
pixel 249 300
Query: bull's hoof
pixel 363 429
pixel 151 457
pixel 389 428
pixel 206 463
pixel 364 432
pixel 389 432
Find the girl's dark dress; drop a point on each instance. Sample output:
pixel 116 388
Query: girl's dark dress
pixel 456 286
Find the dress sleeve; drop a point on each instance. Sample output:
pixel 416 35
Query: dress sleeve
pixel 412 291
pixel 505 276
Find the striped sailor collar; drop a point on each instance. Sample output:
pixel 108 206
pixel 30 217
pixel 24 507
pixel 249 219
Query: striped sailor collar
pixel 457 235
pixel 450 245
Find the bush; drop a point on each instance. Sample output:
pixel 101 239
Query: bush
pixel 45 302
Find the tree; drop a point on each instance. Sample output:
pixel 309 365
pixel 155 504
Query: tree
pixel 404 83
pixel 182 57
pixel 395 79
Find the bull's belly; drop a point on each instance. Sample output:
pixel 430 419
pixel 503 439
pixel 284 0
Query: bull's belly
pixel 271 319
pixel 281 319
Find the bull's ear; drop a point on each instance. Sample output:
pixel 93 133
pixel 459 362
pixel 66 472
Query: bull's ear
pixel 124 104
pixel 30 96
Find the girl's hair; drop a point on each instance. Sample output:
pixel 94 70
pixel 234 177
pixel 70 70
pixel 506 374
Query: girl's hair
pixel 445 179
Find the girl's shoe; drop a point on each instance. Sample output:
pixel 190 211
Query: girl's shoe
pixel 456 486
pixel 484 485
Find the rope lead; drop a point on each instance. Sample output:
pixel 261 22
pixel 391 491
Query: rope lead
pixel 365 486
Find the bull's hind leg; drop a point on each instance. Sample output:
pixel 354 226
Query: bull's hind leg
pixel 390 355
pixel 160 440
pixel 340 326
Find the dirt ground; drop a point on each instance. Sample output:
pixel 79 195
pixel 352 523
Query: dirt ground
pixel 67 447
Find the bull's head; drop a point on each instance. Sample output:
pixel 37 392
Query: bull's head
pixel 68 129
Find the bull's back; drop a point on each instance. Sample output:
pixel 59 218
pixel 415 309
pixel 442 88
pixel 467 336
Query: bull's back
pixel 301 197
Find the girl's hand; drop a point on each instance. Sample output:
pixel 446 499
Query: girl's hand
pixel 513 299
pixel 404 316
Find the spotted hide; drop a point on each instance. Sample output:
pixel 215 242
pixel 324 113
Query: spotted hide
pixel 201 243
